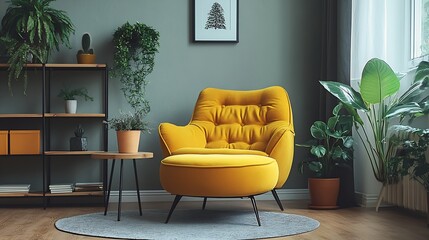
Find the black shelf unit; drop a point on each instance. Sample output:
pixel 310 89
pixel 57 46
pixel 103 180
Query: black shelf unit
pixel 46 117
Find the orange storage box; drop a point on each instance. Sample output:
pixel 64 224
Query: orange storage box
pixel 24 141
pixel 4 142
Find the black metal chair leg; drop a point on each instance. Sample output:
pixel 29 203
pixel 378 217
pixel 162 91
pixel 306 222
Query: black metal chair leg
pixel 255 209
pixel 277 199
pixel 173 206
pixel 204 203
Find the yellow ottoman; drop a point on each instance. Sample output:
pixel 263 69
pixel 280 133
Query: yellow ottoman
pixel 218 175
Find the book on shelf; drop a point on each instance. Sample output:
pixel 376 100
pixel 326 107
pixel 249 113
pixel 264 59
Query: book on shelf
pixel 14 188
pixel 61 188
pixel 88 186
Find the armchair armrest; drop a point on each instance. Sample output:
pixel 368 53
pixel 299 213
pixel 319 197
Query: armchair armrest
pixel 173 137
pixel 281 148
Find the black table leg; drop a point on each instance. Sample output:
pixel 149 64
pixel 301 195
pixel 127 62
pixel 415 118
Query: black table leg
pixel 120 190
pixel 110 187
pixel 137 185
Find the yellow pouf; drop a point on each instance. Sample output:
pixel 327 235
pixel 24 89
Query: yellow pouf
pixel 218 175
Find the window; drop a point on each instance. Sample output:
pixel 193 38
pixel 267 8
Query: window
pixel 419 28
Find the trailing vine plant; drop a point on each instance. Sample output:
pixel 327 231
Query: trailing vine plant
pixel 134 58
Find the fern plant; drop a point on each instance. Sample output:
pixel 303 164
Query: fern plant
pixel 32 28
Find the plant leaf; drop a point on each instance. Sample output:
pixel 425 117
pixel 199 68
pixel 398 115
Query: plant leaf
pixel 315 166
pixel 378 81
pixel 348 141
pixel 318 151
pixel 345 94
pixel 404 109
pixel 318 130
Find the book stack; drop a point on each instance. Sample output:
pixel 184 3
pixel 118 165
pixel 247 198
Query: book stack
pixel 88 187
pixel 61 188
pixel 14 188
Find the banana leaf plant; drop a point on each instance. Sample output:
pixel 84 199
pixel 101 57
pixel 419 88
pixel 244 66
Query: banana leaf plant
pixel 380 102
pixel 331 146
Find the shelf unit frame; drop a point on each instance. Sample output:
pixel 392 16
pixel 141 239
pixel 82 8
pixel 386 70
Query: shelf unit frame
pixel 46 116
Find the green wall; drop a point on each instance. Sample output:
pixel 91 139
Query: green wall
pixel 279 45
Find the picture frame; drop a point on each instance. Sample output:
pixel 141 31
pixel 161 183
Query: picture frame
pixel 216 21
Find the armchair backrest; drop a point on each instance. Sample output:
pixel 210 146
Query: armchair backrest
pixel 242 119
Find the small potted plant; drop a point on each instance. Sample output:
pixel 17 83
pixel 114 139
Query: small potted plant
pixel 86 54
pixel 128 127
pixel 331 146
pixel 78 142
pixel 69 95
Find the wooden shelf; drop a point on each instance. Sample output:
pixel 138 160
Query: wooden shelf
pixel 31 194
pixel 76 115
pixel 70 153
pixel 93 193
pixel 59 65
pixel 24 115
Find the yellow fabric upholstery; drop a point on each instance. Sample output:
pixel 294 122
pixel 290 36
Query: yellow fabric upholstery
pixel 255 123
pixel 218 175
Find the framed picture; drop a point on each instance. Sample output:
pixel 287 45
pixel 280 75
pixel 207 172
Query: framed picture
pixel 216 20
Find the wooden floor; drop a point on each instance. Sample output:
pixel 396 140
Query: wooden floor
pixel 350 223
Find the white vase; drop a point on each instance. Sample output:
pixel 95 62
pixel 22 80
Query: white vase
pixel 71 106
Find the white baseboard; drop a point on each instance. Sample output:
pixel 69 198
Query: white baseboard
pixel 163 196
pixel 366 200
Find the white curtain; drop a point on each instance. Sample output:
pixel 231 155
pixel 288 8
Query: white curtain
pixel 380 28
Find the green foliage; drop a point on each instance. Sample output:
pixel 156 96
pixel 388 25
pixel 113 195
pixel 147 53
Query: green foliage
pixel 33 27
pixel 331 146
pixel 410 157
pixel 86 43
pixel 135 47
pixel 71 94
pixel 379 101
pixel 128 121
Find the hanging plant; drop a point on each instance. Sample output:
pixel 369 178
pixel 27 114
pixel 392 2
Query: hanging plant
pixel 134 59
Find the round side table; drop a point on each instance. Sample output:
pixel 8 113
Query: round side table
pixel 122 156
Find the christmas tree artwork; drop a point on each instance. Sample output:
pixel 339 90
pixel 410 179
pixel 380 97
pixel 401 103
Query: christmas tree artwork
pixel 216 19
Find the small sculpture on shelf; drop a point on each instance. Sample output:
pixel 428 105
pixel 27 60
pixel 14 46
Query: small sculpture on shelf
pixel 78 143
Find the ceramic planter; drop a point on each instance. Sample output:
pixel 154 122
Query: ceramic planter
pixel 128 141
pixel 324 192
pixel 85 58
pixel 71 106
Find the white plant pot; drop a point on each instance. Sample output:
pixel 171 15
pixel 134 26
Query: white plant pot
pixel 71 106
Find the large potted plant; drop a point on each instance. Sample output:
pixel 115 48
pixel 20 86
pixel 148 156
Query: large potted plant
pixel 380 102
pixel 331 147
pixel 135 46
pixel 31 29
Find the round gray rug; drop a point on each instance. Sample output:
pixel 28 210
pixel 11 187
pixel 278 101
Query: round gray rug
pixel 187 224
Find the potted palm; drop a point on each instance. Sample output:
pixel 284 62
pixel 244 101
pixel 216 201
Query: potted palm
pixel 380 102
pixel 70 95
pixel 331 147
pixel 135 46
pixel 31 29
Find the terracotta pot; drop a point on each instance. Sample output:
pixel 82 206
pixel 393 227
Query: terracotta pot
pixel 85 58
pixel 324 192
pixel 128 141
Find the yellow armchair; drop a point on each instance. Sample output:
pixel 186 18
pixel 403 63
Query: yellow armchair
pixel 237 144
